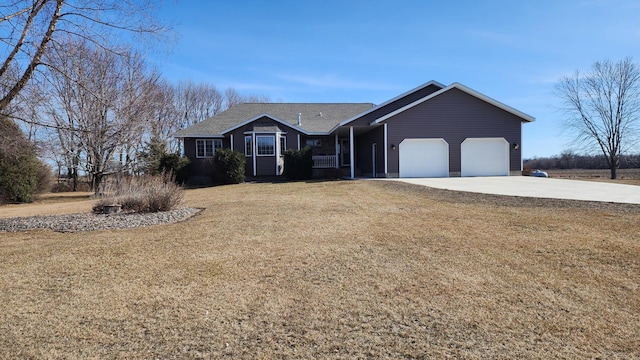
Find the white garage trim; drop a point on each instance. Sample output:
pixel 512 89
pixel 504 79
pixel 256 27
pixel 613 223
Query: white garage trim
pixel 484 157
pixel 423 158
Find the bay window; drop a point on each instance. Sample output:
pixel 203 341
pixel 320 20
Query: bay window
pixel 265 145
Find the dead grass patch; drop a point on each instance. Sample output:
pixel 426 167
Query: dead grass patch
pixel 352 269
pixel 625 176
pixel 50 204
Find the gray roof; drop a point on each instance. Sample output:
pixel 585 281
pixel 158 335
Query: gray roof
pixel 315 119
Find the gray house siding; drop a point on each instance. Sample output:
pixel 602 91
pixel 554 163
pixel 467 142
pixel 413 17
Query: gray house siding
pixel 265 165
pixel 394 105
pixel 238 145
pixel 454 116
pixel 327 145
pixel 364 154
pixel 200 170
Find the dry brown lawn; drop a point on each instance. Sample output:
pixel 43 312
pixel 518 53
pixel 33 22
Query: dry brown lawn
pixel 350 269
pixel 624 176
pixel 50 204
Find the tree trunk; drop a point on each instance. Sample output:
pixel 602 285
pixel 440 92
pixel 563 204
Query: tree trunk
pixel 75 180
pixel 613 165
pixel 96 183
pixel 74 173
pixel 614 169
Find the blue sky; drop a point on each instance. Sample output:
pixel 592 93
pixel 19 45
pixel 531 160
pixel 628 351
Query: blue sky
pixel 371 51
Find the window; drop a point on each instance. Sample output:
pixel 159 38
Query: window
pixel 283 144
pixel 265 145
pixel 248 148
pixel 206 148
pixel 314 142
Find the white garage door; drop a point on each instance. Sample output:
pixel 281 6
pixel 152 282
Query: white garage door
pixel 424 158
pixel 484 157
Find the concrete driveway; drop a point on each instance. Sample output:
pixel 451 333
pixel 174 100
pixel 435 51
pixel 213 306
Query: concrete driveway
pixel 536 187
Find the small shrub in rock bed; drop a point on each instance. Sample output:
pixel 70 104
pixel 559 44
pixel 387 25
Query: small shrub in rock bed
pixel 141 194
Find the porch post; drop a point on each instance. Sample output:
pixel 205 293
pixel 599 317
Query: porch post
pixel 253 152
pixel 298 141
pixel 337 151
pixel 277 149
pixel 231 139
pixel 386 146
pixel 351 153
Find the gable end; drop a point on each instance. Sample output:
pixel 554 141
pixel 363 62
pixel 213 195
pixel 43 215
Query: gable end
pixel 525 117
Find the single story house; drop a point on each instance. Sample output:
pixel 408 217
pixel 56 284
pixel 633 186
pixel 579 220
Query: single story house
pixel 430 131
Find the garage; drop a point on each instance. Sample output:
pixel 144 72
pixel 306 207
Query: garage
pixel 424 158
pixel 484 157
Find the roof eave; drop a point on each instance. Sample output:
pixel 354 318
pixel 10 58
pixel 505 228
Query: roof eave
pixel 526 117
pixel 345 122
pixel 268 116
pixel 203 136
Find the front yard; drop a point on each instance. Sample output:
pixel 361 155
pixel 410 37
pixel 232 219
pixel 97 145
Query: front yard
pixel 350 269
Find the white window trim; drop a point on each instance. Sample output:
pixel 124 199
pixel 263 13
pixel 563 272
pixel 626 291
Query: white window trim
pixel 283 147
pixel 250 142
pixel 253 153
pixel 213 146
pixel 273 141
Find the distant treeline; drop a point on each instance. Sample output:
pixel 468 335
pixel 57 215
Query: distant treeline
pixel 568 160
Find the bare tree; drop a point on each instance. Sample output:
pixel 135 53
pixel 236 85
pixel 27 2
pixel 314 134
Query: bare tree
pixel 100 103
pixel 234 98
pixel 29 27
pixel 179 106
pixel 603 108
pixel 197 101
pixel 166 118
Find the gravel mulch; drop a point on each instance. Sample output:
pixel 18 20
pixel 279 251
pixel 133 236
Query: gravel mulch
pixel 93 222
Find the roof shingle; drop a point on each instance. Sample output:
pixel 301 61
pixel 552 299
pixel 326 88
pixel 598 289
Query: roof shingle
pixel 316 117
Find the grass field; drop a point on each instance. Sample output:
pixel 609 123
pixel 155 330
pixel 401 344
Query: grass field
pixel 624 176
pixel 348 269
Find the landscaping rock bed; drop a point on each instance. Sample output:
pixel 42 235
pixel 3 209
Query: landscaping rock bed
pixel 92 222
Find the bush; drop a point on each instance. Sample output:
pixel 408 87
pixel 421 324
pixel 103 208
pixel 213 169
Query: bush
pixel 66 185
pixel 141 194
pixel 19 165
pixel 229 166
pixel 175 164
pixel 155 159
pixel 18 177
pixel 298 164
pixel 44 178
